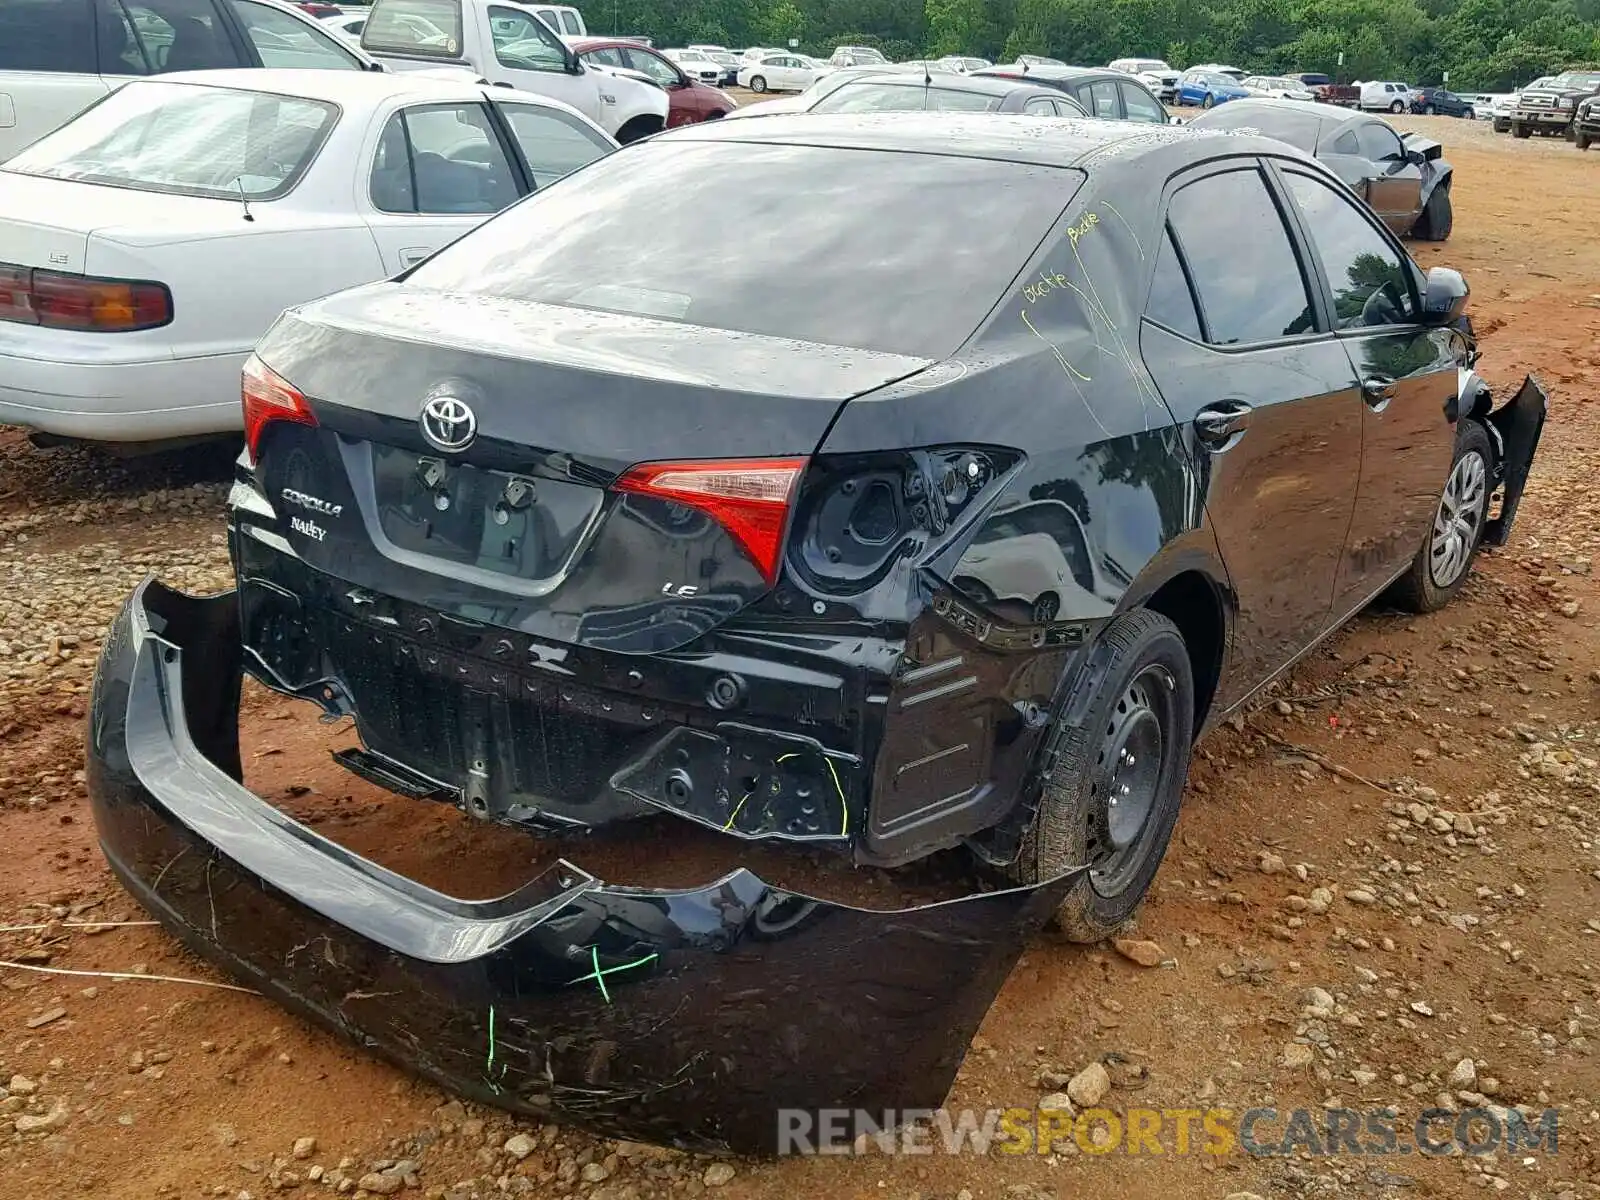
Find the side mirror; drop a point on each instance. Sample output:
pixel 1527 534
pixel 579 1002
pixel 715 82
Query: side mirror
pixel 574 66
pixel 1444 296
pixel 376 66
pixel 1416 157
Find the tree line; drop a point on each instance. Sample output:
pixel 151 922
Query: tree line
pixel 1484 45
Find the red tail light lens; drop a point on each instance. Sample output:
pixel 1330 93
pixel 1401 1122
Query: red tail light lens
pixel 82 302
pixel 269 397
pixel 749 497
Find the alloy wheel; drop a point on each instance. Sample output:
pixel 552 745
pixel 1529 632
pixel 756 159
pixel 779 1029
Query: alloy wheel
pixel 1459 520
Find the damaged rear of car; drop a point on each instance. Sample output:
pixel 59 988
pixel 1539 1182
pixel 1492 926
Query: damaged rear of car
pixel 951 539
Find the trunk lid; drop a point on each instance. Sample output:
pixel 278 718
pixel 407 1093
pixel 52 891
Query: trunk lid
pixel 519 526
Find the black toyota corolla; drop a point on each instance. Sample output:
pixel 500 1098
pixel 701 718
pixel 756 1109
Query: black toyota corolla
pixel 935 487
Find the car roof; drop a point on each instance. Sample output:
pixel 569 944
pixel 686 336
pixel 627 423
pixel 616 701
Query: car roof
pixel 1052 74
pixel 1328 114
pixel 1044 141
pixel 975 83
pixel 350 88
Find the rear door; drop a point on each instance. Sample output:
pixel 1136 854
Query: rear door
pixel 436 171
pixel 1140 105
pixel 48 72
pixel 1236 339
pixel 1407 373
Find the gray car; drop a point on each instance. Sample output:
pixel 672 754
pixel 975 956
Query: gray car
pixel 1403 177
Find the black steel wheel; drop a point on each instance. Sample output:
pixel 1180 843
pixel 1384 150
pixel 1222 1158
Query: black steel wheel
pixel 1113 793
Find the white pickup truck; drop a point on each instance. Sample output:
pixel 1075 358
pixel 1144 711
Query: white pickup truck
pixel 508 46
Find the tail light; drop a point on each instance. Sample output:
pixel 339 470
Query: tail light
pixel 269 397
pixel 749 497
pixel 84 302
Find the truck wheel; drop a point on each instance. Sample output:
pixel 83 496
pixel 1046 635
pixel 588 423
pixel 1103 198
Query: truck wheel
pixel 1581 141
pixel 1397 107
pixel 1113 793
pixel 758 83
pixel 1518 129
pixel 1437 219
pixel 1444 560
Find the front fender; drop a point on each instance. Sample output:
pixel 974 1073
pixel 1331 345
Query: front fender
pixel 635 99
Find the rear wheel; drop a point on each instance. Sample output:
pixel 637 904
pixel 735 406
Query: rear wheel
pixel 758 83
pixel 1445 558
pixel 1518 129
pixel 1437 219
pixel 1113 793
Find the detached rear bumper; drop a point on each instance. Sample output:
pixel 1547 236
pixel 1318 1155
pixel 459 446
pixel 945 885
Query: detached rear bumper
pixel 691 1017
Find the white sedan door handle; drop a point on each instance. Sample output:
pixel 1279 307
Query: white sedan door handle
pixel 412 255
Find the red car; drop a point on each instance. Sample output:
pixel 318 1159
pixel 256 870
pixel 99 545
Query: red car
pixel 688 100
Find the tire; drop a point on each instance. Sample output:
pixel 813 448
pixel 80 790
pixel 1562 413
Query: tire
pixel 1470 114
pixel 1429 585
pixel 1136 734
pixel 1501 126
pixel 1520 130
pixel 1397 107
pixel 1427 110
pixel 1208 101
pixel 1437 218
pixel 1045 609
pixel 1581 141
pixel 639 127
pixel 758 83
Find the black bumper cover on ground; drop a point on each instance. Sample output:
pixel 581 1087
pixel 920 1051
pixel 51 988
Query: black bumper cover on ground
pixel 684 1017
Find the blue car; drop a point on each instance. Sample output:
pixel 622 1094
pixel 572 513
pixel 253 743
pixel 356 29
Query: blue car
pixel 1208 89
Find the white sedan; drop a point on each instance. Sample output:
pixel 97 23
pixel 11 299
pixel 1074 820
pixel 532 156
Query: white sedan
pixel 146 245
pixel 1282 87
pixel 779 73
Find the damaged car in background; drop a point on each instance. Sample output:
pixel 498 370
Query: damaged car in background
pixel 1403 176
pixel 583 524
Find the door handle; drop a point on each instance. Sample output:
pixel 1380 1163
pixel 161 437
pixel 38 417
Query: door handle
pixel 1377 391
pixel 503 83
pixel 412 255
pixel 1220 426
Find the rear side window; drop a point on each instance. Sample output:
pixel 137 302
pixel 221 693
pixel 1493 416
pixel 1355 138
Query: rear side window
pixel 553 144
pixel 903 253
pixel 441 158
pixel 174 35
pixel 46 35
pixel 1103 94
pixel 1171 302
pixel 1141 107
pixel 285 41
pixel 1245 270
pixel 427 27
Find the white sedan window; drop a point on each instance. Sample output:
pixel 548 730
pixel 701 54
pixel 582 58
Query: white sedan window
pixel 284 41
pixel 441 159
pixel 552 143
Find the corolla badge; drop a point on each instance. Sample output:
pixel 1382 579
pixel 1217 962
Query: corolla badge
pixel 448 423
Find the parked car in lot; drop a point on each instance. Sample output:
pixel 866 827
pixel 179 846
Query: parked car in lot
pixel 1438 101
pixel 964 64
pixel 1208 89
pixel 1327 91
pixel 697 64
pixel 1403 177
pixel 1501 110
pixel 510 46
pixel 562 18
pixel 1586 127
pixel 1099 91
pixel 53 63
pixel 1280 87
pixel 1037 60
pixel 689 100
pixel 903 92
pixel 823 85
pixel 779 73
pixel 1154 73
pixel 1234 73
pixel 857 56
pixel 346 25
pixel 511 514
pixel 730 64
pixel 1548 107
pixel 149 243
pixel 1383 96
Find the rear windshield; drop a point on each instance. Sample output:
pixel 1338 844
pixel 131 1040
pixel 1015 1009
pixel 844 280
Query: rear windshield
pixel 904 97
pixel 428 27
pixel 1287 125
pixel 900 253
pixel 188 140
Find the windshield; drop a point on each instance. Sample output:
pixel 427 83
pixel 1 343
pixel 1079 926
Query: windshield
pixel 875 96
pixel 187 139
pixel 860 240
pixel 1150 64
pixel 1578 79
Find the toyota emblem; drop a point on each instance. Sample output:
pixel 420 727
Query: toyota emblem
pixel 448 423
